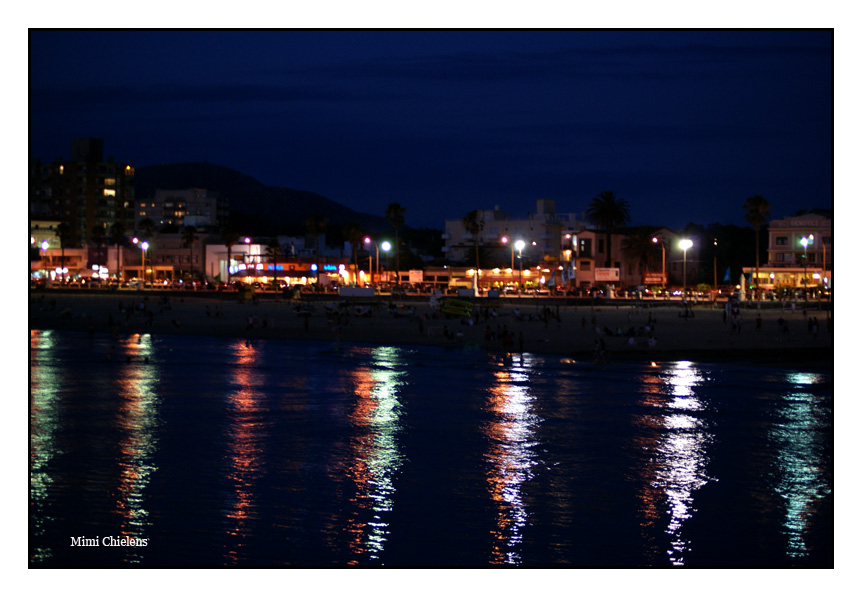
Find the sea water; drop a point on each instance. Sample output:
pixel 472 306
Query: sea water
pixel 170 451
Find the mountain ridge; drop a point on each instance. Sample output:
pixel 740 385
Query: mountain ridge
pixel 255 207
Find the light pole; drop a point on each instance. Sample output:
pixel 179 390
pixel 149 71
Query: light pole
pixel 505 240
pixel 386 247
pixel 662 245
pixel 367 241
pixel 684 245
pixel 144 247
pixel 714 264
pixel 44 246
pixel 805 242
pixel 519 245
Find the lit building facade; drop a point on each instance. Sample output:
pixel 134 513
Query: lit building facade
pixel 84 191
pixel 799 254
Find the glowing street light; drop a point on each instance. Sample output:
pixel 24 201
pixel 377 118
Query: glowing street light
pixel 144 246
pixel 684 245
pixel 661 244
pixel 519 245
pixel 386 247
pixel 805 242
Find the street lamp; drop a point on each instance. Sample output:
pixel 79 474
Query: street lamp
pixel 519 245
pixel 367 241
pixel 144 247
pixel 684 245
pixel 661 244
pixel 505 240
pixel 44 246
pixel 386 247
pixel 805 242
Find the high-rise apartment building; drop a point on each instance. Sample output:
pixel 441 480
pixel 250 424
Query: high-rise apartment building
pixel 85 191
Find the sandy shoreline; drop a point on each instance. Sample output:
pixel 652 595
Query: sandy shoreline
pixel 569 330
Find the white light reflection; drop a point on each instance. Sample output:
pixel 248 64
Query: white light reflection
pixel 512 456
pixel 376 454
pixel 798 436
pixel 45 384
pixel 676 465
pixel 138 419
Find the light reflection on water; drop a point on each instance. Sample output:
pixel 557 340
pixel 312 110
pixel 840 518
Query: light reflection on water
pixel 45 383
pixel 375 453
pixel 343 457
pixel 137 419
pixel 245 458
pixel 801 479
pixel 675 446
pixel 511 455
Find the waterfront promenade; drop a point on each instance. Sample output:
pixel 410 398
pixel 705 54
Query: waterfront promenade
pixel 650 330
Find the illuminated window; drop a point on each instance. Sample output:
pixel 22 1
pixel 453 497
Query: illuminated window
pixel 110 193
pixel 110 182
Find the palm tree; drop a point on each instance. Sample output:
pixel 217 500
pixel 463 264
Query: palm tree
pixel 229 239
pixel 354 235
pixel 640 248
pixel 273 251
pixel 607 213
pixel 147 227
pixel 98 236
pixel 189 239
pixel 395 215
pixel 118 237
pixel 316 225
pixel 473 226
pixel 757 213
pixel 64 233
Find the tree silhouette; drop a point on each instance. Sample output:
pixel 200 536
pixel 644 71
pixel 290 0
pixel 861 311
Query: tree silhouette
pixel 64 233
pixel 639 248
pixel 99 237
pixel 354 235
pixel 607 213
pixel 273 251
pixel 316 225
pixel 473 226
pixel 189 239
pixel 395 215
pixel 147 227
pixel 118 238
pixel 757 213
pixel 229 239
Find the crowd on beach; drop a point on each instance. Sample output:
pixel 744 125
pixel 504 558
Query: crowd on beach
pixel 596 331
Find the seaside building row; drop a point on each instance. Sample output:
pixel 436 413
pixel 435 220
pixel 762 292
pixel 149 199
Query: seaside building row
pixel 74 198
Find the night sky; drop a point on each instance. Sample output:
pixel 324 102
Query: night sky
pixel 685 125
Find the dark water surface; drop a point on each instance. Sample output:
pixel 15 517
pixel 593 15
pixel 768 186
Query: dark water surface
pixel 215 452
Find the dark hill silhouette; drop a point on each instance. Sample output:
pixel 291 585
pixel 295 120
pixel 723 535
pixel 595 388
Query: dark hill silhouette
pixel 254 207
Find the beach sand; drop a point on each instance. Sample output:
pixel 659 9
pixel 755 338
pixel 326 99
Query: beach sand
pixel 572 330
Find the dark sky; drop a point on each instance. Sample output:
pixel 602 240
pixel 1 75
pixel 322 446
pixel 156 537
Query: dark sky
pixel 685 125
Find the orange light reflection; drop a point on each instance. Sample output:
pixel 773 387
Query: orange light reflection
pixel 245 437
